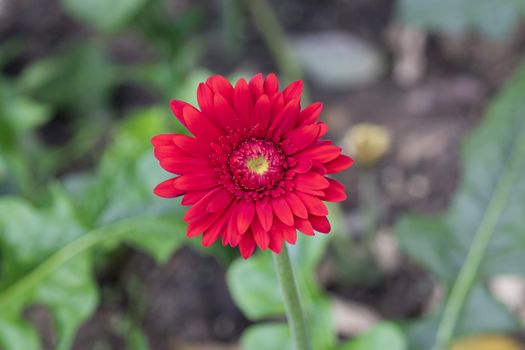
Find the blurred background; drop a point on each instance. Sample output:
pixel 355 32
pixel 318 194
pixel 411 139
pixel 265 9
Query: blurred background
pixel 84 84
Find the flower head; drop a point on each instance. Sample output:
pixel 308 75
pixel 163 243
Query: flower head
pixel 255 170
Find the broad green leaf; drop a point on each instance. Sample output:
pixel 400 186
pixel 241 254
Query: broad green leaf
pixel 28 238
pixel 253 282
pixel 267 336
pixel 382 336
pixel 46 260
pixel 497 19
pixel 105 15
pixel 485 220
pixel 122 187
pixel 320 330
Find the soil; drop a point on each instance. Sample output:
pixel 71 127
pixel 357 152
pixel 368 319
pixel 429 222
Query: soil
pixel 186 300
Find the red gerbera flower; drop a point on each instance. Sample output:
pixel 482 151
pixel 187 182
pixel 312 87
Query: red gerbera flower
pixel 256 169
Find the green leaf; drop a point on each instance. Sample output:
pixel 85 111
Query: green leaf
pixel 80 79
pixel 104 15
pixel 383 336
pixel 46 260
pixel 497 19
pixel 253 282
pixel 28 238
pixel 269 336
pixel 483 228
pixel 122 188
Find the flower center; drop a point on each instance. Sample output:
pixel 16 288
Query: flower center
pixel 257 165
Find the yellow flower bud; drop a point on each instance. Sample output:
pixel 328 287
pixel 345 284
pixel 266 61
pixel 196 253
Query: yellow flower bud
pixel 487 342
pixel 367 143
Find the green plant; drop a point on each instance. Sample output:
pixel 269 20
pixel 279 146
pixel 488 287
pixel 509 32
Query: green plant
pixel 482 232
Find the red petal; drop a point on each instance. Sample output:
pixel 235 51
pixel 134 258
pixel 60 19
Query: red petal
pixel 172 151
pixel 199 125
pixel 271 84
pixel 276 241
pixel 246 246
pixel 301 138
pixel 193 197
pixel 303 166
pixel 196 182
pixel 197 227
pixel 334 193
pixel 242 100
pixel 293 91
pixel 166 189
pixel 245 212
pixel 310 114
pixel 305 227
pixel 265 214
pixel 289 233
pixel 338 164
pixel 220 85
pixel 162 140
pixel 220 201
pixel 320 223
pixel 226 116
pixel 211 234
pixel 311 181
pixel 177 107
pixel 260 235
pixel 276 106
pixel 191 145
pixel 261 112
pixel 323 129
pixel 287 117
pixel 282 210
pixel 199 208
pixel 296 205
pixel 323 153
pixel 313 204
pixel 205 98
pixel 231 234
pixel 256 86
pixel 185 165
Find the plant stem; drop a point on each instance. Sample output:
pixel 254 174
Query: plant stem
pixel 267 24
pixel 467 276
pixel 292 303
pixel 368 207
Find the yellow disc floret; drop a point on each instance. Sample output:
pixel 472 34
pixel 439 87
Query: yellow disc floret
pixel 258 165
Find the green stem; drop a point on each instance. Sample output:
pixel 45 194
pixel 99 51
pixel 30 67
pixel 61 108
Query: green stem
pixel 267 24
pixel 368 206
pixel 62 256
pixel 292 303
pixel 487 227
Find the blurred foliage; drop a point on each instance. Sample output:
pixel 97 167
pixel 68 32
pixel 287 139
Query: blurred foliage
pixel 47 253
pixel 496 19
pixel 104 15
pixel 483 229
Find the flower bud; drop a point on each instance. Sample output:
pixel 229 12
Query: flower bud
pixel 367 143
